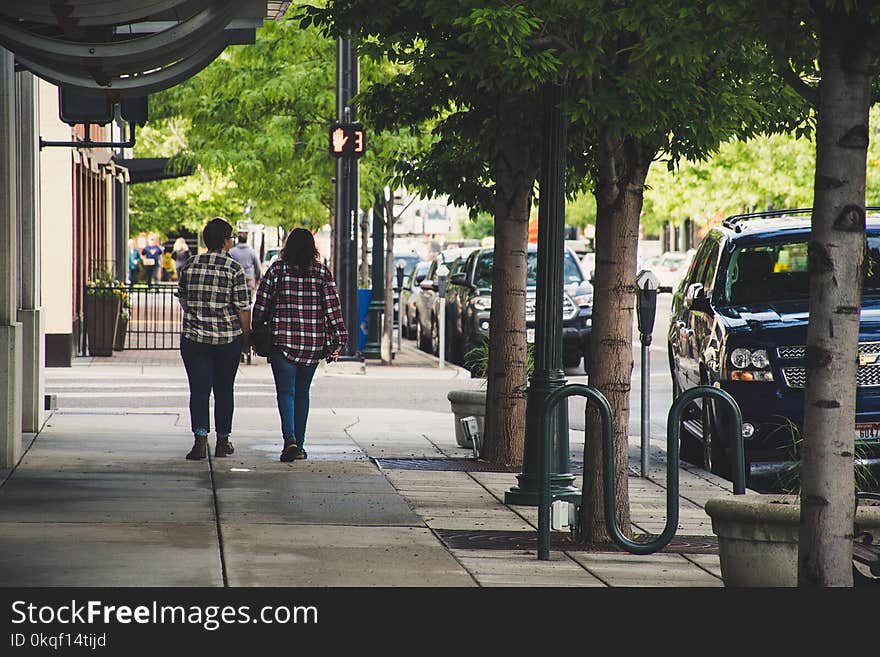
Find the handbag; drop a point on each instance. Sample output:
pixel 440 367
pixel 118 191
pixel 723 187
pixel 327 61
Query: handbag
pixel 261 334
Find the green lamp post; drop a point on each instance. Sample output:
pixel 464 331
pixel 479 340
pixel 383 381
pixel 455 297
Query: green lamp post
pixel 548 374
pixel 373 347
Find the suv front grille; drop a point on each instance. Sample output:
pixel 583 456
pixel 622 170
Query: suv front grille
pixel 868 376
pixel 568 308
pixel 799 352
pixel 791 353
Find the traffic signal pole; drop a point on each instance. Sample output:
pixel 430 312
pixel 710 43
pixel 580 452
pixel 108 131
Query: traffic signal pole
pixel 345 251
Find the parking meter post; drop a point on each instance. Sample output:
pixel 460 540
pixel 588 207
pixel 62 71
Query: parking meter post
pixel 399 303
pixel 646 410
pixel 442 273
pixel 548 374
pixel 647 287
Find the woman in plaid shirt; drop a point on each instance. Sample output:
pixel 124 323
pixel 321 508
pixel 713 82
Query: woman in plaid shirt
pixel 299 293
pixel 216 327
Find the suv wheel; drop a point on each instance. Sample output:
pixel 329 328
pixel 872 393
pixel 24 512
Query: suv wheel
pixel 714 457
pixel 690 448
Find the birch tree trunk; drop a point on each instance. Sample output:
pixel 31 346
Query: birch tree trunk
pixel 623 168
pixel 836 255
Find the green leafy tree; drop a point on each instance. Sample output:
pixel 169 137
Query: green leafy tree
pixel 254 125
pixel 472 70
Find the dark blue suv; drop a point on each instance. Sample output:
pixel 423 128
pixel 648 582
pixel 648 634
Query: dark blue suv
pixel 739 322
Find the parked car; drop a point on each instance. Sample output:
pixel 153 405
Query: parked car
pixel 671 267
pixel 427 310
pixel 406 261
pixel 409 296
pixel 739 322
pixel 469 304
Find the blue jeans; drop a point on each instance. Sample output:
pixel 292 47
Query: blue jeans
pixel 292 382
pixel 211 367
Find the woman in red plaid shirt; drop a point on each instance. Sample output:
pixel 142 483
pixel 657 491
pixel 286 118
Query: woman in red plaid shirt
pixel 299 293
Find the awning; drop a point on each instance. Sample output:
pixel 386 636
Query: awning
pixel 148 169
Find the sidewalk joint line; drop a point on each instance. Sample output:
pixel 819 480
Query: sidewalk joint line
pixel 590 572
pixel 217 522
pixel 26 449
pixel 699 565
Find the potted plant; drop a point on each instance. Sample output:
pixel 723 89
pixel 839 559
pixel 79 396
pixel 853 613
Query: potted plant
pixel 124 315
pixel 473 402
pixel 758 534
pixel 103 306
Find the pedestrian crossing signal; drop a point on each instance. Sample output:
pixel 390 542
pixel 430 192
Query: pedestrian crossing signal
pixel 347 140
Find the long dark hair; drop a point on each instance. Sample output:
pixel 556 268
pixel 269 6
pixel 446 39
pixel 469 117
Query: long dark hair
pixel 299 251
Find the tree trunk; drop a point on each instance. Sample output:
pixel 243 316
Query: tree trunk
pixel 516 168
pixel 388 325
pixel 623 168
pixel 837 247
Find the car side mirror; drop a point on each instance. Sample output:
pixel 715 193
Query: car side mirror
pixel 695 298
pixel 458 279
pixel 428 284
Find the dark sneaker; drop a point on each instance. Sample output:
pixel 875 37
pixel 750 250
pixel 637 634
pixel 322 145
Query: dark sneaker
pixel 289 453
pixel 300 454
pixel 224 448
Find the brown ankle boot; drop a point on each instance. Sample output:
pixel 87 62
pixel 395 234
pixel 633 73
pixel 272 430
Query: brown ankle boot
pixel 224 447
pixel 199 449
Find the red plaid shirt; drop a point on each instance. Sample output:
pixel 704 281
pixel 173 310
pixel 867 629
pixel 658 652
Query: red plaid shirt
pixel 307 320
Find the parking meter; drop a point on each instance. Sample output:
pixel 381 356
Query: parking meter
pixel 442 278
pixel 399 275
pixel 647 287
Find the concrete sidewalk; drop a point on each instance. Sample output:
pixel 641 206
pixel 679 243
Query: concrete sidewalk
pixel 103 496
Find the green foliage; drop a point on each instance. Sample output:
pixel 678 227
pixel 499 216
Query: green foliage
pixel 483 225
pixel 254 123
pixel 105 285
pixel 477 360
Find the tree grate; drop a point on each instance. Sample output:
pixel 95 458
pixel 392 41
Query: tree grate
pixel 485 539
pixel 462 465
pixel 435 463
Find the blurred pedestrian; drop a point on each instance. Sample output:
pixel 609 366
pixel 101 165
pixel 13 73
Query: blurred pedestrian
pixel 298 296
pixel 151 257
pixel 247 258
pixel 134 262
pixel 180 254
pixel 216 327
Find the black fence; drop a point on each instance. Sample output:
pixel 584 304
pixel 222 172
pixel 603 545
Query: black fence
pixel 146 317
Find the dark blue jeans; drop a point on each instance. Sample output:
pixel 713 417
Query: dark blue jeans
pixel 292 383
pixel 211 367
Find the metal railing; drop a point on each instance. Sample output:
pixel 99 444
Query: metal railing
pixel 149 317
pixel 673 434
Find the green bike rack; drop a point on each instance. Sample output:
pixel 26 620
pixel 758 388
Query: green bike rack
pixel 572 390
pixel 673 431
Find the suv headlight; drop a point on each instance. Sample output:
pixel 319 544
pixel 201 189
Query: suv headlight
pixel 483 303
pixel 740 358
pixel 756 360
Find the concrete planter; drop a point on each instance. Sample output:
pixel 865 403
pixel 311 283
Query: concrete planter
pixel 758 538
pixel 464 403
